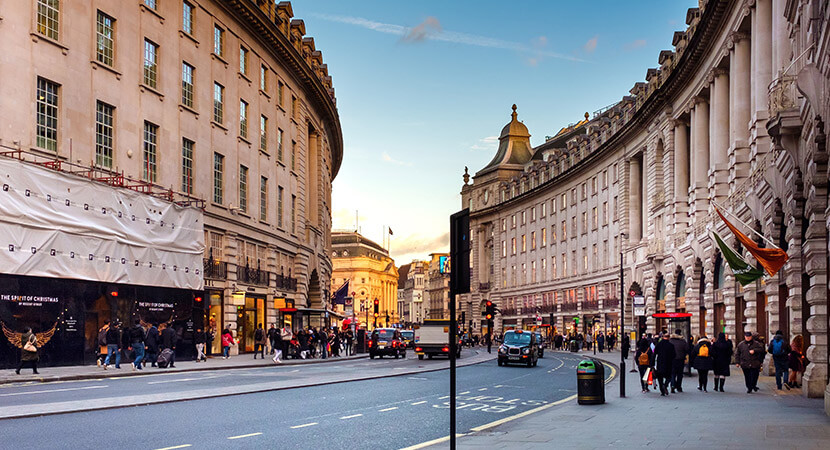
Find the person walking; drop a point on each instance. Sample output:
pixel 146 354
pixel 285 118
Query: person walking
pixel 335 343
pixel 210 335
pixel 227 341
pixel 349 343
pixel 151 344
pixel 199 339
pixel 780 351
pixel 137 336
pixel 168 341
pixel 796 362
pixel 665 353
pixel 259 342
pixel 28 353
pixel 645 360
pixel 681 351
pixel 102 343
pixel 600 342
pixel 277 344
pixel 749 356
pixel 113 345
pixel 272 332
pixel 702 360
pixel 721 352
pixel 323 340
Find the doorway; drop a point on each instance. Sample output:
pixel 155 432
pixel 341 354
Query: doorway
pixel 720 318
pixel 215 322
pixel 249 317
pixel 761 315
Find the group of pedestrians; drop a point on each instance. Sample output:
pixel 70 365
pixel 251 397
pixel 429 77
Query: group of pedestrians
pixel 145 343
pixel 313 342
pixel 577 341
pixel 661 361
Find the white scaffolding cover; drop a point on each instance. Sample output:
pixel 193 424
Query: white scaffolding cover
pixel 58 225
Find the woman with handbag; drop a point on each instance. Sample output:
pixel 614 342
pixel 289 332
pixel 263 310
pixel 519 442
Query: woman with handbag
pixel 29 351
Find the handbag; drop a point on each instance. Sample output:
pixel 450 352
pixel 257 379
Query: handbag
pixel 30 346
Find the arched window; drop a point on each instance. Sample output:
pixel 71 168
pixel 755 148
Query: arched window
pixel 680 293
pixel 719 272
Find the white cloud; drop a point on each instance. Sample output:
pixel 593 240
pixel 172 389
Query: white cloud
pixel 419 33
pixel 435 33
pixel 487 143
pixel 635 44
pixel 386 158
pixel 591 45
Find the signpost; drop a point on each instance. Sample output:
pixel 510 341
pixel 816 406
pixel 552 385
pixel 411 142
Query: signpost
pixel 639 305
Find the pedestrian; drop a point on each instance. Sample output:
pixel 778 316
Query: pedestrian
pixel 780 351
pixel 28 352
pixel 665 353
pixel 277 344
pixel 227 341
pixel 796 362
pixel 102 343
pixel 589 341
pixel 151 344
pixel 645 360
pixel 137 336
pixel 681 350
pixel 113 345
pixel 199 339
pixel 702 360
pixel 749 356
pixel 303 340
pixel 168 341
pixel 323 340
pixel 210 336
pixel 625 347
pixel 721 360
pixel 272 333
pixel 335 344
pixel 259 342
pixel 600 342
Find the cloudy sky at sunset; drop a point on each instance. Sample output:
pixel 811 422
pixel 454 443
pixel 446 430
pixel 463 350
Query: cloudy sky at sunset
pixel 424 88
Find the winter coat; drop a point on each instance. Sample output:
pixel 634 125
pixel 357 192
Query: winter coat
pixel 785 348
pixel 26 355
pixel 796 361
pixel 114 336
pixel 702 362
pixel 721 352
pixel 152 340
pixel 648 352
pixel 749 360
pixel 168 338
pixel 136 334
pixel 227 340
pixel 199 337
pixel 681 347
pixel 664 350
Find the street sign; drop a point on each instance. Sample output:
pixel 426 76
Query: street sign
pixel 538 320
pixel 349 301
pixel 639 305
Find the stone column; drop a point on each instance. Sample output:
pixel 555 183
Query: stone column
pixel 739 108
pixel 635 203
pixel 719 135
pixel 681 162
pixel 698 200
pixel 780 39
pixel 761 57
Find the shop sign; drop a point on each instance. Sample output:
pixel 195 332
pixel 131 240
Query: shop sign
pixel 153 306
pixel 28 300
pixel 70 325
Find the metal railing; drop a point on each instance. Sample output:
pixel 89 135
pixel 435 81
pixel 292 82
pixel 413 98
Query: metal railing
pixel 256 277
pixel 217 270
pixel 286 283
pixel 484 287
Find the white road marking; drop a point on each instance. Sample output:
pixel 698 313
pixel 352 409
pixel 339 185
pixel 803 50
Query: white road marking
pixel 183 379
pixel 442 398
pixel 483 389
pixel 433 442
pixel 175 447
pixel 350 417
pixel 293 371
pixel 498 385
pixel 465 392
pixel 304 425
pixel 52 390
pixel 417 378
pixel 388 409
pixel 419 403
pixel 244 435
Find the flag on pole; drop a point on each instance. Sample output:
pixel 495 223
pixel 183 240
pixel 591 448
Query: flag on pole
pixel 743 272
pixel 390 231
pixel 339 297
pixel 772 259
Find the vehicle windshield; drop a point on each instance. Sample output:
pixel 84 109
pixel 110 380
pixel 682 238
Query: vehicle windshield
pixel 385 334
pixel 517 339
pixel 408 334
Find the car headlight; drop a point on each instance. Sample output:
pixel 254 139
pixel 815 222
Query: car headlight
pixel 526 350
pixel 502 349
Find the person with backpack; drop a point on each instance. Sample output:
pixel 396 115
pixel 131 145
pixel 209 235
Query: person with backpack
pixel 102 343
pixel 137 337
pixel 227 341
pixel 28 351
pixel 168 342
pixel 703 361
pixel 645 360
pixel 779 348
pixel 721 352
pixel 151 344
pixel 113 345
pixel 749 356
pixel 681 351
pixel 259 342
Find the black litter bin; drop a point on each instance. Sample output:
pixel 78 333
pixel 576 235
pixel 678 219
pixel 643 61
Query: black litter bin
pixel 590 382
pixel 574 346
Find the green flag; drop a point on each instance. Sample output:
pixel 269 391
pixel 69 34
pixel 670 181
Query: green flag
pixel 743 272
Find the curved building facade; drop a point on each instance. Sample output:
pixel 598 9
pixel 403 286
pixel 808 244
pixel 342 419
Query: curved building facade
pixel 731 117
pixel 225 101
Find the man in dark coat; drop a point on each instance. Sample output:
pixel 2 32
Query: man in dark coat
pixel 27 356
pixel 722 359
pixel 664 350
pixel 749 356
pixel 779 348
pixel 168 340
pixel 681 350
pixel 137 335
pixel 151 342
pixel 114 345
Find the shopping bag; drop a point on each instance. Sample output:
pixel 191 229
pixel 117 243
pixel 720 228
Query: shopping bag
pixel 646 375
pixel 650 378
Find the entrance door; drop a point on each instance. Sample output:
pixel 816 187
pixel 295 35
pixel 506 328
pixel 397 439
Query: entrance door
pixel 783 311
pixel 720 318
pixel 216 322
pixel 762 315
pixel 252 315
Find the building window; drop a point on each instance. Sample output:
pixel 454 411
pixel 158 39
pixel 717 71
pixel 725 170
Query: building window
pixel 513 245
pixel 542 212
pixel 187 17
pixel 604 179
pixel 524 273
pixel 594 186
pixel 503 277
pixel 243 60
pixel 150 169
pixel 605 213
pixel 243 118
pixel 152 4
pixel 594 258
pixel 513 220
pixel 573 226
pixel 103 134
pixel 293 214
pixel 279 144
pixel 524 217
pixel 553 234
pixel 48 18
pixel 218 40
pixel 564 230
pixel 105 44
pixel 151 54
pixel 564 265
pixel 263 78
pixel 243 189
pixel 524 243
pixel 544 237
pixel 533 214
pixel 573 196
pixel 280 192
pixel 564 202
pixel 187 165
pixel 293 107
pixel 503 224
pixel 594 218
pixel 218 102
pixel 47 114
pixel 187 85
pixel 503 249
pixel 584 190
pixel 533 240
pixel 280 89
pixel 553 267
pixel 533 271
pixel 616 213
pixel 218 178
pixel 293 155
pixel 263 199
pixel 584 260
pixel 544 269
pixel 263 133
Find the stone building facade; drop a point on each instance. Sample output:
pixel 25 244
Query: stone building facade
pixel 227 101
pixel 733 116
pixel 437 287
pixel 412 292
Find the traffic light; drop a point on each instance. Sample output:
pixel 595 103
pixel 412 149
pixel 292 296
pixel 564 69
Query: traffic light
pixel 377 307
pixel 489 310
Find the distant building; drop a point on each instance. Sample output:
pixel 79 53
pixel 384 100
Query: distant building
pixel 438 287
pixel 413 292
pixel 372 275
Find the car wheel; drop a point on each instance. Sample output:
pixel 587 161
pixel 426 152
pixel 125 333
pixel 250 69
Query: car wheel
pixel 403 355
pixel 420 356
pixel 501 363
pixel 535 362
pixel 429 356
pixel 371 356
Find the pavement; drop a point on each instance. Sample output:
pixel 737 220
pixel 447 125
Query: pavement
pixel 386 411
pixel 692 419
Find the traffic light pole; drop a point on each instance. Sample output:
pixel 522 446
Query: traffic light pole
pixel 622 325
pixel 453 344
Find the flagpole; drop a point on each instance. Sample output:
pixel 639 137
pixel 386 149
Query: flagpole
pixel 722 209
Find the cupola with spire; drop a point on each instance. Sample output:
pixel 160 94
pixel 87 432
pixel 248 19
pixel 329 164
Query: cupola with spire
pixel 514 147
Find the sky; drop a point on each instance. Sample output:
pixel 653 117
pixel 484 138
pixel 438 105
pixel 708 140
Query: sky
pixel 424 88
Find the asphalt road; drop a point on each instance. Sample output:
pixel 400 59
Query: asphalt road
pixel 390 412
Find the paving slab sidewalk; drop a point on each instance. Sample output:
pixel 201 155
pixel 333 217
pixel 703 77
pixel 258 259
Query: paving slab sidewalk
pixel 692 419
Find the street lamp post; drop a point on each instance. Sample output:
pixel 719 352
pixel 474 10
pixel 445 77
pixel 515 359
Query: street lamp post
pixel 622 318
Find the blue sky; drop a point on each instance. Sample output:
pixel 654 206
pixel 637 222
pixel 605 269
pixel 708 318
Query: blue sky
pixel 423 89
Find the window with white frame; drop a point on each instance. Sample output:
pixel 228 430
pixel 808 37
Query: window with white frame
pixel 151 55
pixel 47 114
pixel 104 133
pixel 105 39
pixel 48 18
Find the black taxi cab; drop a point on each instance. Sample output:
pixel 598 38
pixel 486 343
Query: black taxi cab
pixel 386 342
pixel 519 347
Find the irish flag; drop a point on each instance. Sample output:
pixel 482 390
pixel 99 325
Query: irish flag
pixel 771 259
